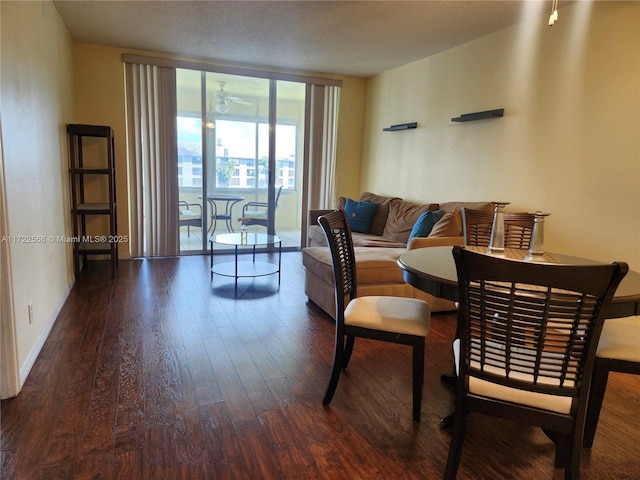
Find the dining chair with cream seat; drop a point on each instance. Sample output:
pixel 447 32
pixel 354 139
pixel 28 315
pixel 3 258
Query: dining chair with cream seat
pixel 476 228
pixel 476 231
pixel 528 334
pixel 390 319
pixel 618 351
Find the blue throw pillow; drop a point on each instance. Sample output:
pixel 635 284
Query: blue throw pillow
pixel 425 223
pixel 360 215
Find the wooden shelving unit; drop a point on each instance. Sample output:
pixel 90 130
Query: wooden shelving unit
pixel 93 194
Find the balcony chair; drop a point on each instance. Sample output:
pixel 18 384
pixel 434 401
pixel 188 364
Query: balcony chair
pixel 476 228
pixel 618 351
pixel 256 213
pixel 528 334
pixel 390 319
pixel 190 216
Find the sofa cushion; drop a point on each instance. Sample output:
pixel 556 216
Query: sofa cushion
pixel 360 214
pixel 402 217
pixel 380 218
pixel 425 223
pixel 368 240
pixel 450 225
pixel 373 265
pixel 451 206
pixel 315 236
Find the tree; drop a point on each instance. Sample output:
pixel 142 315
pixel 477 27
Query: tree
pixel 225 170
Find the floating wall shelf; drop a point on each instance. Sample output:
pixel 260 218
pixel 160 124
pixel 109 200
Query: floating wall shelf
pixel 468 117
pixel 401 126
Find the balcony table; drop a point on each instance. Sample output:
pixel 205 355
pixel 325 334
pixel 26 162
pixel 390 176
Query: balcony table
pixel 225 214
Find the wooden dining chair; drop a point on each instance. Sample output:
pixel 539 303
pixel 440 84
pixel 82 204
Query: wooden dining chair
pixel 476 228
pixel 528 334
pixel 618 351
pixel 476 231
pixel 390 319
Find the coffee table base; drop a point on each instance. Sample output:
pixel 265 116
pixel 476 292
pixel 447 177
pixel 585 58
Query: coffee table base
pixel 245 269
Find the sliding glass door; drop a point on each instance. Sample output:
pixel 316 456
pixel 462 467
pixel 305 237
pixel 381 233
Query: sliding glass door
pixel 192 215
pixel 240 156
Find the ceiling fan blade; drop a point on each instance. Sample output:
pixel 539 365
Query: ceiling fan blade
pixel 224 99
pixel 238 100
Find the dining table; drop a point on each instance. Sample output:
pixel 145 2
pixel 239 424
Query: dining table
pixel 433 270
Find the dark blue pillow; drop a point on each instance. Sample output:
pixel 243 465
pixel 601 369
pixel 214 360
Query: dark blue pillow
pixel 360 215
pixel 425 223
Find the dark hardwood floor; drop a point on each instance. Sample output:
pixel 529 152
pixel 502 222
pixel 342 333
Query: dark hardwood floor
pixel 160 374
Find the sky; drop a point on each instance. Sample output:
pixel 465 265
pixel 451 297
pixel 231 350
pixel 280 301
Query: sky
pixel 239 137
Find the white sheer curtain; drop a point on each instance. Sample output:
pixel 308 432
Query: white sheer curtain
pixel 152 158
pixel 321 128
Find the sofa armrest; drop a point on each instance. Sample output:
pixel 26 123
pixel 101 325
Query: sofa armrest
pixel 314 214
pixel 422 242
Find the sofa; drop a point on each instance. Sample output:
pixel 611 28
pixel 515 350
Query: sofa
pixel 392 230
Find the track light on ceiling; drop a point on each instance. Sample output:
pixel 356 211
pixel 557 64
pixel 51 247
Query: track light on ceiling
pixel 553 18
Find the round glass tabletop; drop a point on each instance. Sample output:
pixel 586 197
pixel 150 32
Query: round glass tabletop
pixel 244 238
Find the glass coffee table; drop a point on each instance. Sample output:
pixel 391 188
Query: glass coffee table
pixel 241 269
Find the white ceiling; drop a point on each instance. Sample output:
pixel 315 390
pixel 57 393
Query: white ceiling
pixel 358 38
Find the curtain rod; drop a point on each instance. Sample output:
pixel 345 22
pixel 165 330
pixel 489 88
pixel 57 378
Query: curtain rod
pixel 248 72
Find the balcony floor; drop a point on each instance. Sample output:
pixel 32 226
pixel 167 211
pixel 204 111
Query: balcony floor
pixel 191 242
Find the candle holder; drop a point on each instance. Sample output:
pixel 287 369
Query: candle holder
pixel 536 247
pixel 496 243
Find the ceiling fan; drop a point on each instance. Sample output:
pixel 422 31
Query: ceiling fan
pixel 223 99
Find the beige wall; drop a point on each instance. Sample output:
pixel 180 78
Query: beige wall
pixel 568 143
pixel 349 147
pixel 37 103
pixel 99 95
